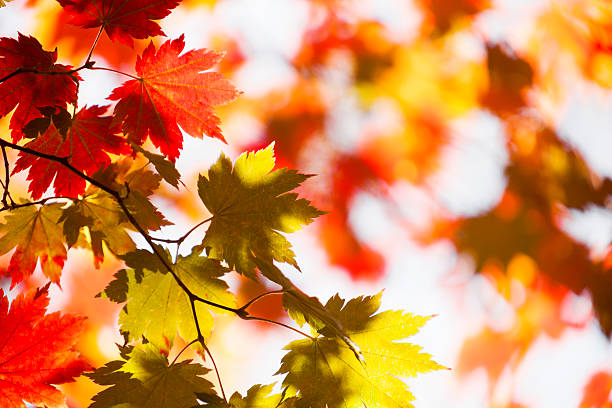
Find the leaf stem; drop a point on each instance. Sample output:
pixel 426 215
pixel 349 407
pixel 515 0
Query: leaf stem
pixel 94 45
pixel 216 371
pixel 182 238
pixel 115 71
pixel 263 319
pixel 256 298
pixel 182 350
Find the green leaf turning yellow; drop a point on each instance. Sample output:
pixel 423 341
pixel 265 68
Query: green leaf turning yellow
pixel 156 305
pixel 324 372
pixel 146 380
pixel 251 205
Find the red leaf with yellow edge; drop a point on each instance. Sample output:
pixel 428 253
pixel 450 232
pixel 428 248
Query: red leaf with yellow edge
pixel 35 233
pixel 122 20
pixel 36 351
pixel 172 90
pixel 28 91
pixel 90 138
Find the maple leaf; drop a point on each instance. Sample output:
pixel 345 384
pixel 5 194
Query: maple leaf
pixel 89 140
pixel 250 204
pixel 104 221
pixel 172 90
pixel 122 20
pixel 135 183
pixel 36 350
pixel 258 396
pixel 29 91
pixel 323 372
pixel 35 233
pixel 157 306
pixel 164 168
pixel 146 380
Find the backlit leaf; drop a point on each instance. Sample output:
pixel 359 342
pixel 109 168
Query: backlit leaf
pixel 251 205
pixel 156 305
pixel 172 91
pixel 29 91
pixel 324 372
pixel 122 20
pixel 87 144
pixel 146 380
pixel 36 233
pixel 36 350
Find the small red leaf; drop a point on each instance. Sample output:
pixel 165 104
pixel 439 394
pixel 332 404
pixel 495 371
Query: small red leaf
pixel 29 91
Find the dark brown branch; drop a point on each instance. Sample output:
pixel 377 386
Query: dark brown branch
pixel 87 65
pixel 7 179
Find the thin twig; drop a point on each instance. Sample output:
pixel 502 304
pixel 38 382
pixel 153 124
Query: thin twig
pixel 18 71
pixel 256 298
pixel 263 319
pixel 182 238
pixel 7 179
pixel 94 45
pixel 182 350
pixel 115 71
pixel 216 371
pixel 14 206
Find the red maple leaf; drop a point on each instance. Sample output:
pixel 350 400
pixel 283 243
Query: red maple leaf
pixel 172 90
pixel 122 19
pixel 36 350
pixel 28 90
pixel 90 138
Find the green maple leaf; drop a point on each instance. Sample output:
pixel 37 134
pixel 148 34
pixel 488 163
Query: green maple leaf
pixel 165 168
pixel 251 204
pixel 157 306
pixel 324 372
pixel 36 233
pixel 146 380
pixel 258 396
pixel 306 309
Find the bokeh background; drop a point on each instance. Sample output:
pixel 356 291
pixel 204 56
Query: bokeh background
pixel 462 150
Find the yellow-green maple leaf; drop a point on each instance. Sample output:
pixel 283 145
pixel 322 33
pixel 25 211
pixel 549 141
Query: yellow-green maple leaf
pixel 251 204
pixel 36 233
pixel 324 372
pixel 146 380
pixel 104 221
pixel 258 396
pixel 156 305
